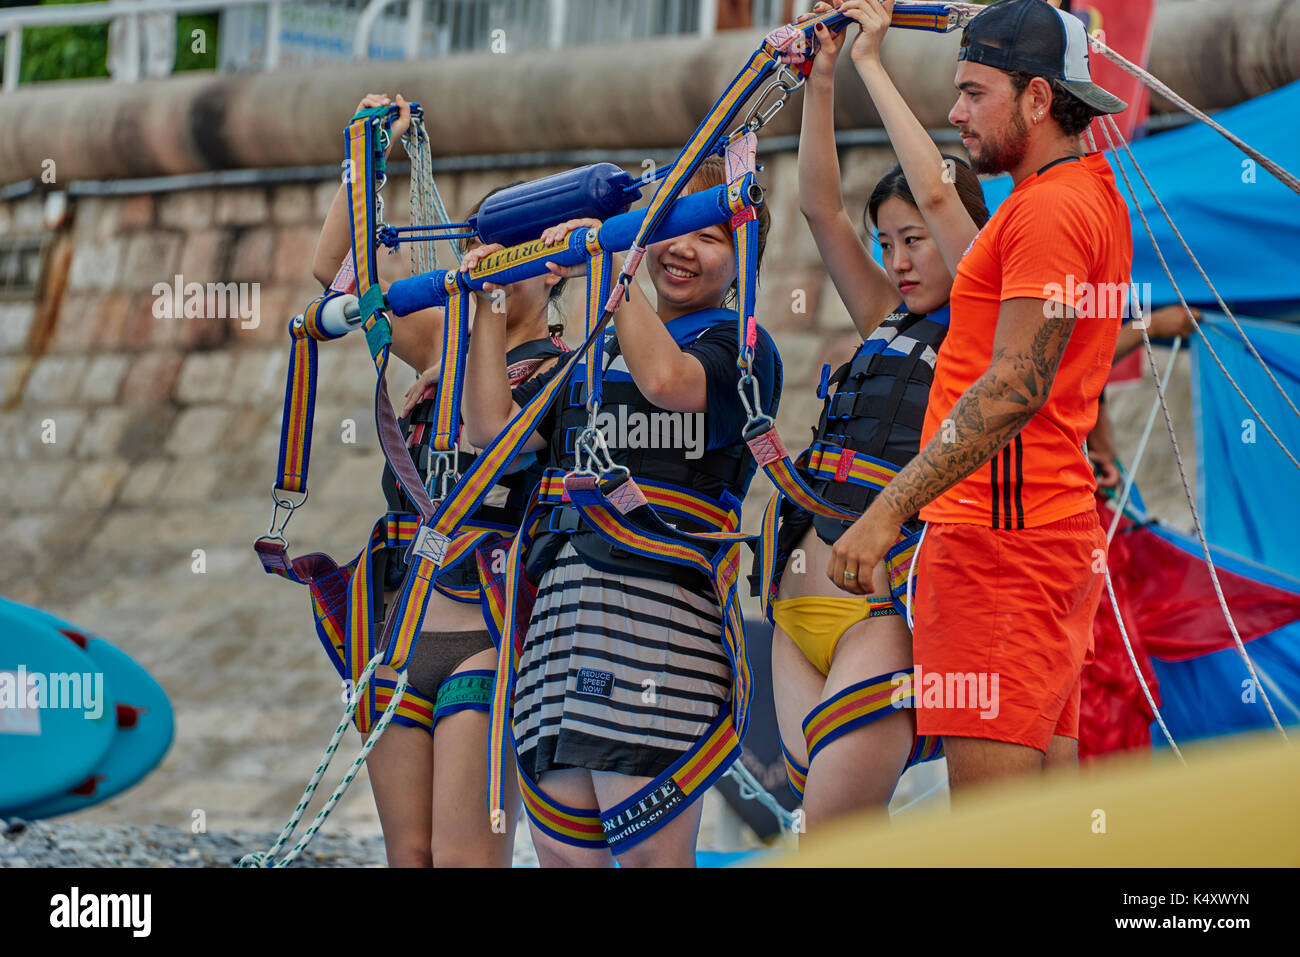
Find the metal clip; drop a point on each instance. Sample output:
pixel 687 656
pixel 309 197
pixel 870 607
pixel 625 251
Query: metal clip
pixel 755 418
pixel 787 82
pixel 441 469
pixel 282 499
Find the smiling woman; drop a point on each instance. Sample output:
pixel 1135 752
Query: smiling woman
pixel 623 676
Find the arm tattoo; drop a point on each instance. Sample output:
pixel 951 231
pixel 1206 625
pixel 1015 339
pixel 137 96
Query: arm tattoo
pixel 987 416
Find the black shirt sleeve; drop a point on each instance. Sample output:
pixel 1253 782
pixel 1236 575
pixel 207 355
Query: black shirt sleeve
pixel 716 350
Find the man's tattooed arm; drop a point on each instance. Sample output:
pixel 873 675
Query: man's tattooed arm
pixel 1031 338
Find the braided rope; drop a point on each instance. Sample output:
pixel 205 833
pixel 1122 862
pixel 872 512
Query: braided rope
pixel 1106 129
pixel 751 790
pixel 1128 646
pixel 1131 68
pixel 268 858
pixel 1130 478
pixel 1109 126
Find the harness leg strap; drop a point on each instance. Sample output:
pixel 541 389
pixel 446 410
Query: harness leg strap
pixel 862 704
pixel 795 773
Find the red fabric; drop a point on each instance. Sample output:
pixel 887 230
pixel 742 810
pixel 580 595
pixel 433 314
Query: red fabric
pixel 1170 611
pixel 1129 369
pixel 1012 605
pixel 1125 27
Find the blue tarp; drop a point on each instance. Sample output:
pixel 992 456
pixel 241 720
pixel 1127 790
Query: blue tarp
pixel 1249 495
pixel 1242 223
pixel 1248 489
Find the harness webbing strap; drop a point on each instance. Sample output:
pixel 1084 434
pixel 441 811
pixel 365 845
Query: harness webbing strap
pixel 651 808
pixel 599 281
pixel 717 558
pixel 795 773
pixel 770 453
pixel 413 711
pixel 500 732
pixel 573 826
pixel 761 63
pixel 663 496
pixel 299 414
pixel 836 464
pixel 862 704
pixel 300 396
pixel 446 416
pixel 489 465
pixel 715 554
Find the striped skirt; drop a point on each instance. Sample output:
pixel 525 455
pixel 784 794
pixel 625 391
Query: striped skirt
pixel 617 674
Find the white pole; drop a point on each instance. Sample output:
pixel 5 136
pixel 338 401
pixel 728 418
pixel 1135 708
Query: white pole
pixel 708 17
pixel 272 59
pixel 559 17
pixel 13 57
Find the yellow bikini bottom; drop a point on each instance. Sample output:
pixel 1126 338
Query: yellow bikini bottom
pixel 816 623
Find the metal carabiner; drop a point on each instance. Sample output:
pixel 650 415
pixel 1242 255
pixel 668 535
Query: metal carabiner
pixel 281 499
pixel 440 468
pixel 756 420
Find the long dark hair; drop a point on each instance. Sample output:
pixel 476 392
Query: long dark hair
pixel 893 185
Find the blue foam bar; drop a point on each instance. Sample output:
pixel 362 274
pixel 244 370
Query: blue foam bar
pixel 688 214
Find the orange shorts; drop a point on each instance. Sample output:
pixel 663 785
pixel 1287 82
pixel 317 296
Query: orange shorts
pixel 1002 627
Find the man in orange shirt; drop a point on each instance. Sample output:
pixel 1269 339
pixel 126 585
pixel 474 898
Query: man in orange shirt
pixel 1009 574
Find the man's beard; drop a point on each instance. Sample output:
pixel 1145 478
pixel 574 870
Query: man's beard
pixel 1003 154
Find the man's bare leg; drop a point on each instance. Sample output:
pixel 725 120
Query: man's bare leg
pixel 1062 752
pixel 974 761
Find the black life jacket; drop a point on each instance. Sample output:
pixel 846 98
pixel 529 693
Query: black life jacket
pixel 878 405
pixel 506 501
pixel 721 475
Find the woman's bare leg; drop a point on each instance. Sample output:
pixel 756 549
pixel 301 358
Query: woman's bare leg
pixel 571 787
pixel 401 776
pixel 464 833
pixel 861 769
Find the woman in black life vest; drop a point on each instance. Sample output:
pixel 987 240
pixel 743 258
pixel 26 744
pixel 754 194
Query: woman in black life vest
pixel 623 669
pixel 838 661
pixel 429 770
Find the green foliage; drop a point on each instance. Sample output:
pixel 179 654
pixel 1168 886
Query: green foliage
pixel 81 51
pixel 186 58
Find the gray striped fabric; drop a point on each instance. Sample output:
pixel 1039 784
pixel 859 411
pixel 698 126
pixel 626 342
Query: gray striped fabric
pixel 617 673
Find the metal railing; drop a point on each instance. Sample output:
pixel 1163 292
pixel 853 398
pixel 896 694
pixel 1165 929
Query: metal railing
pixel 14 20
pixel 267 34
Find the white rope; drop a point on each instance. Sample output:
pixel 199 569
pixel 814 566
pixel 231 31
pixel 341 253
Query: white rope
pixel 1223 306
pixel 1273 687
pixel 1131 68
pixel 751 790
pixel 911 568
pixel 1108 126
pixel 1128 646
pixel 268 858
pixel 921 797
pixel 1130 479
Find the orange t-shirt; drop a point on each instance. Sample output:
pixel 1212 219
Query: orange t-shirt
pixel 1063 235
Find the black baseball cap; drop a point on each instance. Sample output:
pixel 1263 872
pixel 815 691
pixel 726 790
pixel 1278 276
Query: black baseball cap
pixel 1032 36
